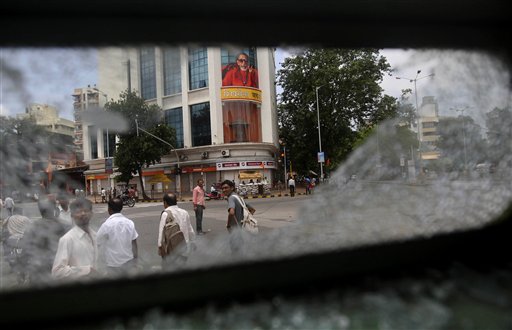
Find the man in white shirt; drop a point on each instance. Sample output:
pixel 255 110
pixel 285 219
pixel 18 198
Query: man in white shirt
pixel 117 240
pixel 77 252
pixel 183 219
pixel 291 185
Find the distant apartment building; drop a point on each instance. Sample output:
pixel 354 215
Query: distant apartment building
pixel 47 116
pixel 220 101
pixel 87 98
pixel 428 134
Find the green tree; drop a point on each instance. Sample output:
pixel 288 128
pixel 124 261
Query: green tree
pixel 388 143
pixel 24 145
pixel 134 153
pixel 350 99
pixel 460 142
pixel 499 135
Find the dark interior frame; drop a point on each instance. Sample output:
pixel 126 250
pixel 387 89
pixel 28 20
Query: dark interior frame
pixel 471 24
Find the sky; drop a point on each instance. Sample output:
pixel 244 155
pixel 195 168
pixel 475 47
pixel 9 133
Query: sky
pixel 462 80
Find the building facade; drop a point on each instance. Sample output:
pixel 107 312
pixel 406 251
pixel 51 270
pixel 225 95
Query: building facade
pixel 220 101
pixel 47 116
pixel 429 121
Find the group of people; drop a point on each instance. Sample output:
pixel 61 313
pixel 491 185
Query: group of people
pixel 62 245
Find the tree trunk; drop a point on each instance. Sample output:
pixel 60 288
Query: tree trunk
pixel 144 196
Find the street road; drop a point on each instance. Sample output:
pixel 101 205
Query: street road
pixel 270 212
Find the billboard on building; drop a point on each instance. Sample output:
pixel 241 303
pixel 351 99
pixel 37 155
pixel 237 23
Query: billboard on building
pixel 240 95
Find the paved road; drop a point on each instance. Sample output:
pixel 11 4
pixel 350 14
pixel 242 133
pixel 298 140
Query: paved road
pixel 271 213
pixel 346 214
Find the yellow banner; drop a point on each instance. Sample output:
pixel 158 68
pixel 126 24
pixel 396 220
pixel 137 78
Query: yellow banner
pixel 240 94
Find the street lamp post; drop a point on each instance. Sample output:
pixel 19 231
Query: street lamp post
pixel 420 163
pixel 178 175
pixel 319 134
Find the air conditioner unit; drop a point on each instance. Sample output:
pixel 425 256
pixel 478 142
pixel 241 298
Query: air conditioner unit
pixel 204 155
pixel 225 153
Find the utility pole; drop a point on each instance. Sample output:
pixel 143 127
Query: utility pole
pixel 319 135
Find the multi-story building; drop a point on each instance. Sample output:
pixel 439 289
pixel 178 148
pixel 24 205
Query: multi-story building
pixel 88 98
pixel 220 101
pixel 428 134
pixel 47 116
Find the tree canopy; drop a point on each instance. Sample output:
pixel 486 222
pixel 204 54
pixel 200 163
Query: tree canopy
pixel 133 153
pixel 350 99
pixel 24 144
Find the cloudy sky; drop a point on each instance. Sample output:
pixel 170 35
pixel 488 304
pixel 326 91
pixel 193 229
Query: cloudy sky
pixel 462 79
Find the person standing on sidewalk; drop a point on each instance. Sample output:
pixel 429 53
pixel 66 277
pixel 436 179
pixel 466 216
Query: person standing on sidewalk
pixel 117 240
pixel 291 185
pixel 199 205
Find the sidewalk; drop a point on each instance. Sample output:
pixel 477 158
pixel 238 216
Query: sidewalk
pixel 187 196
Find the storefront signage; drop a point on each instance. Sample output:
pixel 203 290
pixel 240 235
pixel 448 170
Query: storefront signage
pixel 245 165
pixel 190 169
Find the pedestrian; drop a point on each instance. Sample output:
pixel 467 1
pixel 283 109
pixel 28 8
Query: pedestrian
pixel 40 241
pixel 199 205
pixel 117 240
pixel 13 229
pixel 76 254
pixel 235 208
pixel 103 195
pixel 307 183
pixel 183 218
pixel 291 185
pixel 9 205
pixel 63 205
pixel 235 213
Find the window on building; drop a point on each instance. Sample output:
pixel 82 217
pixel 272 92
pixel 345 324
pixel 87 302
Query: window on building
pixel 429 124
pixel 147 73
pixel 174 118
pixel 109 144
pixel 200 124
pixel 93 138
pixel 198 68
pixel 172 71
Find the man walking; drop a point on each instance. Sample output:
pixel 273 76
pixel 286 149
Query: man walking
pixel 291 185
pixel 183 218
pixel 77 252
pixel 117 240
pixel 199 205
